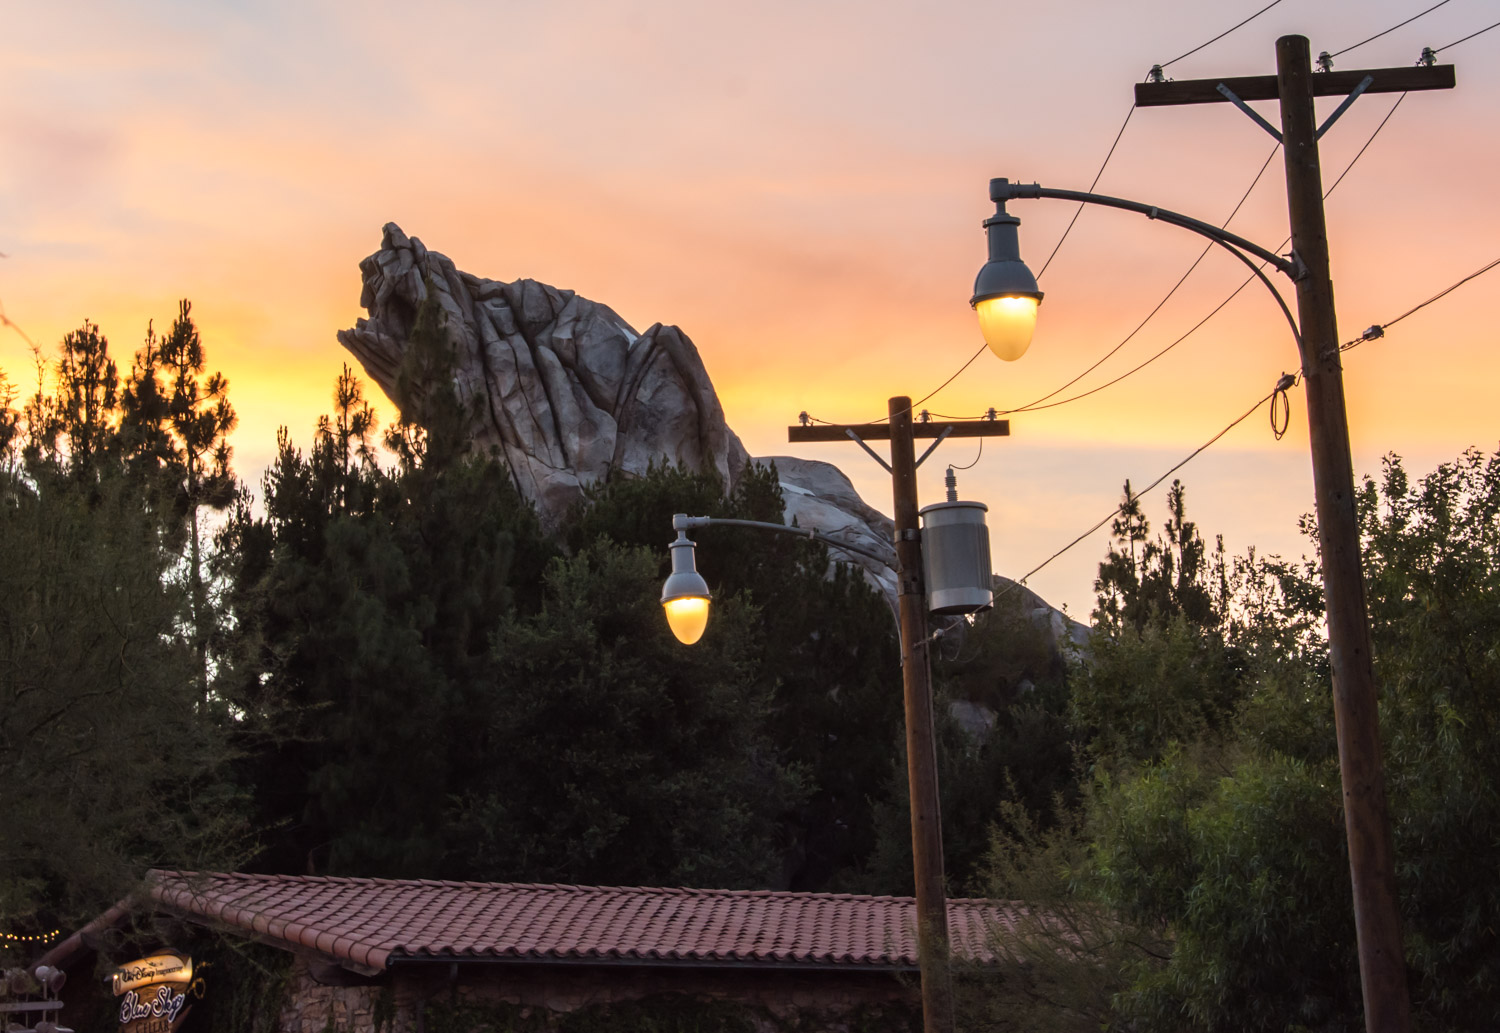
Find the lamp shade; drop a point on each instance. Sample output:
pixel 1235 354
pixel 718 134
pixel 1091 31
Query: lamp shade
pixel 685 596
pixel 1007 323
pixel 1005 293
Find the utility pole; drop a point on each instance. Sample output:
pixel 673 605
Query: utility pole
pixel 1382 963
pixel 916 671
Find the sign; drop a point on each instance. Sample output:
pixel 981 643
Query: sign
pixel 153 992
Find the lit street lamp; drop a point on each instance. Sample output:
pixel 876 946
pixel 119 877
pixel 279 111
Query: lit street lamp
pixel 1005 293
pixel 1004 277
pixel 685 596
pixel 942 566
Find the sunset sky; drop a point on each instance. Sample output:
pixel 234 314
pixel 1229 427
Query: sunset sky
pixel 800 187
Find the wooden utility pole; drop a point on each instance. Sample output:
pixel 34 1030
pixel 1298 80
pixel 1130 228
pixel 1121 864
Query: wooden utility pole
pixel 1382 964
pixel 916 671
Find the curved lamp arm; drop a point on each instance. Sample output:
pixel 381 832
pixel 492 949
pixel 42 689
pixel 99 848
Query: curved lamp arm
pixel 1002 190
pixel 683 522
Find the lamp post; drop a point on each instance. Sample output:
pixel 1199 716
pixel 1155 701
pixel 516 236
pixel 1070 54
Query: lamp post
pixel 1367 825
pixel 954 574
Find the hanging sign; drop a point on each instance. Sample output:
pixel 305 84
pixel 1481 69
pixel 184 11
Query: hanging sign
pixel 153 992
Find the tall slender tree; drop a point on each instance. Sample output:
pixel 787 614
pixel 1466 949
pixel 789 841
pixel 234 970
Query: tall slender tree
pixel 201 418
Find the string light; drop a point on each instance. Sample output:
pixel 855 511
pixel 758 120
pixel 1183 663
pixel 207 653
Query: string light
pixel 38 938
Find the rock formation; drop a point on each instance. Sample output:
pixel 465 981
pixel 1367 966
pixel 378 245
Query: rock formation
pixel 568 393
pixel 563 387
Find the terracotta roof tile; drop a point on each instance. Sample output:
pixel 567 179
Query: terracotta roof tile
pixel 374 923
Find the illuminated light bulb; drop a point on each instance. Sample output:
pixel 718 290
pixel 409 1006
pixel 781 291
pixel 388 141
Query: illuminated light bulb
pixel 1007 324
pixel 1005 293
pixel 685 595
pixel 687 616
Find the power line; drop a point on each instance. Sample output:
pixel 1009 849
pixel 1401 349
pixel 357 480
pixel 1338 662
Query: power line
pixel 1481 32
pixel 1371 334
pixel 1079 210
pixel 1200 46
pixel 1115 512
pixel 1362 150
pixel 971 466
pixel 1141 325
pixel 1034 406
pixel 944 384
pixel 1378 330
pixel 1102 166
pixel 1393 28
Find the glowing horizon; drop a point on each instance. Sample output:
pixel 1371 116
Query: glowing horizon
pixel 800 190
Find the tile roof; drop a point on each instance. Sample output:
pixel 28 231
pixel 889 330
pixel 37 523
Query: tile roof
pixel 370 924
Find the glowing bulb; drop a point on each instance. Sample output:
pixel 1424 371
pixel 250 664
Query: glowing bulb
pixel 687 617
pixel 1007 324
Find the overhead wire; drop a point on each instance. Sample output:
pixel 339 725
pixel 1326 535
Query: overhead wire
pixel 1035 406
pixel 1241 25
pixel 1282 385
pixel 954 466
pixel 1392 29
pixel 1481 32
pixel 1069 228
pixel 1378 330
pixel 1362 150
pixel 1036 403
pixel 1115 512
pixel 1079 210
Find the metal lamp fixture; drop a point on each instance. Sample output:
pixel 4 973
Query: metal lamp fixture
pixel 685 594
pixel 1005 293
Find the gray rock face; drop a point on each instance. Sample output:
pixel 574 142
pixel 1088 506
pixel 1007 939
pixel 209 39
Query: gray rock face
pixel 818 495
pixel 565 389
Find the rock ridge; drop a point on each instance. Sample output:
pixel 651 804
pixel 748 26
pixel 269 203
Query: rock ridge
pixel 563 388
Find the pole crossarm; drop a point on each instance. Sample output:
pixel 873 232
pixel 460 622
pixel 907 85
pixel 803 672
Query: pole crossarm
pixel 682 522
pixel 1265 87
pixel 882 431
pixel 1004 190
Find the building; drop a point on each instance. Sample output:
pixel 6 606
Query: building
pixel 417 955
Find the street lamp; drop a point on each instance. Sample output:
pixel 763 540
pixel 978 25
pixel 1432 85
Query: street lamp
pixel 685 595
pixel 942 566
pixel 1367 825
pixel 1005 293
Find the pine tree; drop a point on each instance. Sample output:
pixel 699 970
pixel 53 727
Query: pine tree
pixel 201 419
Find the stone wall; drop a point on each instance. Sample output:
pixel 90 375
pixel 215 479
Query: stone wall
pixel 420 997
pixel 314 1007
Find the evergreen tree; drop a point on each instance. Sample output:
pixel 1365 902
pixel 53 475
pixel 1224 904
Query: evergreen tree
pixel 111 757
pixel 370 596
pixel 88 395
pixel 201 419
pixel 619 756
pixel 827 648
pixel 1216 850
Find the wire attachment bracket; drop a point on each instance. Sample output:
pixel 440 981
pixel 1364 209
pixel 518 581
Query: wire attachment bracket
pixel 1364 84
pixel 873 454
pixel 933 447
pixel 1255 116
